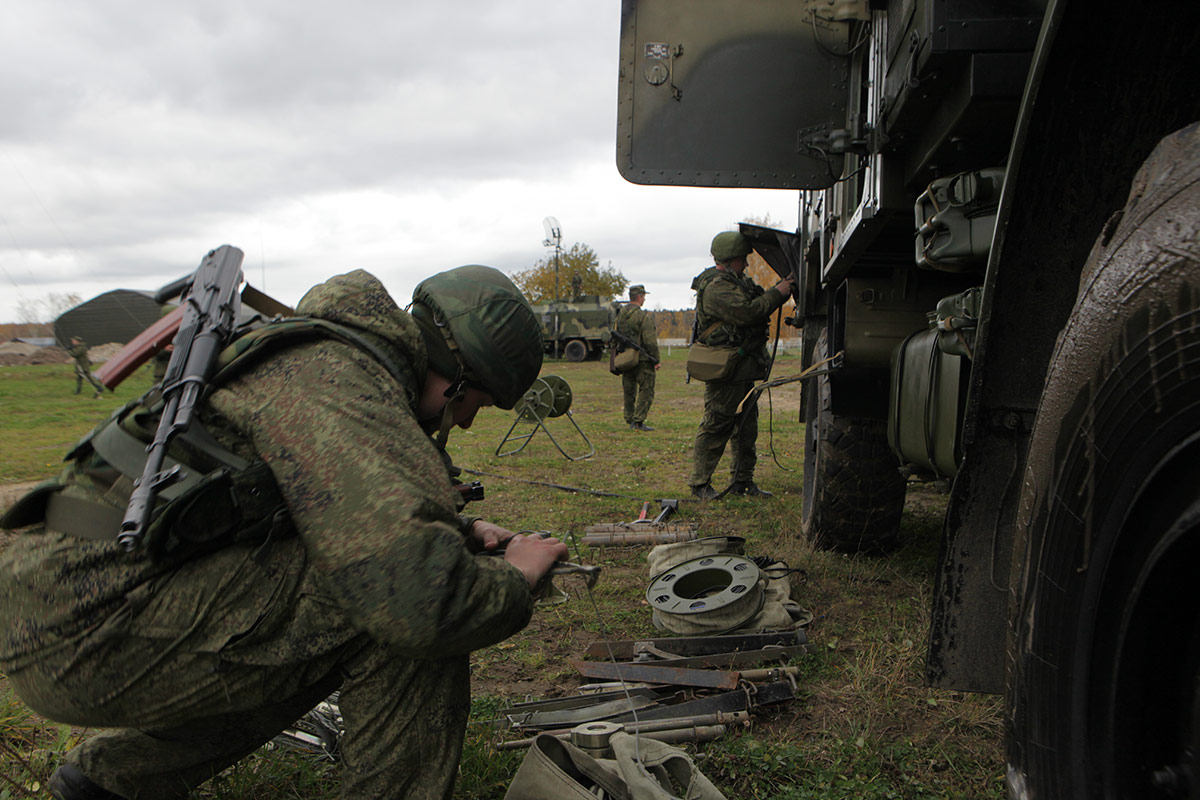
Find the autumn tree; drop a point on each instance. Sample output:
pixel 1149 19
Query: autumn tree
pixel 766 277
pixel 579 273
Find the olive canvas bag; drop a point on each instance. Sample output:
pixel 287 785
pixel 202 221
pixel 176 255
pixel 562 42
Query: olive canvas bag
pixel 709 363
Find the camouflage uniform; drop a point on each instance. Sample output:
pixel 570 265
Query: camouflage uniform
pixel 743 309
pixel 638 383
pixel 196 663
pixel 83 367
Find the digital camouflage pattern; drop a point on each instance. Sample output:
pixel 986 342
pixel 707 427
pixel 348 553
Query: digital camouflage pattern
pixel 195 664
pixel 738 311
pixel 638 384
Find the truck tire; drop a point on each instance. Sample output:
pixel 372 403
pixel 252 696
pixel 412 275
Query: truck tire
pixel 1104 647
pixel 853 489
pixel 576 350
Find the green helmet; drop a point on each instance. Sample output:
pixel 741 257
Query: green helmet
pixel 479 327
pixel 728 246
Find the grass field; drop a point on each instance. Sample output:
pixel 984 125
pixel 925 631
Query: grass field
pixel 863 724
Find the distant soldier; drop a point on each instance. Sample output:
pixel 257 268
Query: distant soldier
pixel 83 367
pixel 636 325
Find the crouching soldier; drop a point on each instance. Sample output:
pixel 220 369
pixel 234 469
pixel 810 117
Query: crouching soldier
pixel 318 547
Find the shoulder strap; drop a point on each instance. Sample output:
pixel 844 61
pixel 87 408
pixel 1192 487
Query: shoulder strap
pixel 247 349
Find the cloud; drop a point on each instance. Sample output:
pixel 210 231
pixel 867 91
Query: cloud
pixel 403 138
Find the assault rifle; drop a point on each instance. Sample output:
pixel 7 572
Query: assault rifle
pixel 210 310
pixel 624 342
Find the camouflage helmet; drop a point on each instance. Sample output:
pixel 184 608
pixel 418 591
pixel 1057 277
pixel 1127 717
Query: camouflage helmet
pixel 479 327
pixel 729 245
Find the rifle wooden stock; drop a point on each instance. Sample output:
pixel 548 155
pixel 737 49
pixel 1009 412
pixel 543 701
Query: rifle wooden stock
pixel 162 333
pixel 140 349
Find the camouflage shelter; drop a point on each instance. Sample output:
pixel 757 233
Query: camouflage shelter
pixel 115 316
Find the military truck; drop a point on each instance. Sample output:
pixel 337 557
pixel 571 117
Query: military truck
pixel 578 329
pixel 996 260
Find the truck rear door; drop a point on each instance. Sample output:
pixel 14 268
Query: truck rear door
pixel 740 94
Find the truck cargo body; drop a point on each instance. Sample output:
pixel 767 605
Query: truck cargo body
pixel 997 244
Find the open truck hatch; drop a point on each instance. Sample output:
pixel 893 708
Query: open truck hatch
pixel 693 69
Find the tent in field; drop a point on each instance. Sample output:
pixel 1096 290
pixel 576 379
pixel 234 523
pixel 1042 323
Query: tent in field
pixel 115 316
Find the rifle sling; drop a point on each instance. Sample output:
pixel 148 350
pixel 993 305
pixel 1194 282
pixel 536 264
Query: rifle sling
pixel 85 519
pixel 709 330
pixel 127 453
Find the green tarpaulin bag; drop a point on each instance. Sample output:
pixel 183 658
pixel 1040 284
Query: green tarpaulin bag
pixel 706 363
pixel 646 770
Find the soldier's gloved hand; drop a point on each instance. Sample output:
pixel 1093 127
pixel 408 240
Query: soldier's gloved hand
pixel 534 556
pixel 785 286
pixel 488 535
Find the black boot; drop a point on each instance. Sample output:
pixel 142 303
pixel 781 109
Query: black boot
pixel 749 489
pixel 705 492
pixel 68 783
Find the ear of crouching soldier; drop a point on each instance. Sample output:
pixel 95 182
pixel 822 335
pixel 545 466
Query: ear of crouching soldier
pixel 192 665
pixel 490 362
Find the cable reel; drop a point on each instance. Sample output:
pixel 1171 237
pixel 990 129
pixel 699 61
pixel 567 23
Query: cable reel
pixel 549 397
pixel 718 592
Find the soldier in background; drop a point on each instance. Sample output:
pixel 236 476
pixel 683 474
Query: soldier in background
pixel 83 367
pixel 329 555
pixel 732 311
pixel 638 384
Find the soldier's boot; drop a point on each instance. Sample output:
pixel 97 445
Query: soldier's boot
pixel 641 426
pixel 749 489
pixel 705 492
pixel 69 783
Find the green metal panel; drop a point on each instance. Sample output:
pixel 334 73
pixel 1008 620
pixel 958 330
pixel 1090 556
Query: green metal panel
pixel 720 93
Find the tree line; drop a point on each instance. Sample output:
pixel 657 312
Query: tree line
pixel 576 272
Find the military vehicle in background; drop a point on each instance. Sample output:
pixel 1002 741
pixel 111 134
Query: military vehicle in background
pixel 578 329
pixel 997 249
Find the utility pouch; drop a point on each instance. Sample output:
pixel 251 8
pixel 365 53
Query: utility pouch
pixel 625 361
pixel 224 508
pixel 705 363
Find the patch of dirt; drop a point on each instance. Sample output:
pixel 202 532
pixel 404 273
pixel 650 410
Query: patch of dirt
pixel 11 492
pixel 21 354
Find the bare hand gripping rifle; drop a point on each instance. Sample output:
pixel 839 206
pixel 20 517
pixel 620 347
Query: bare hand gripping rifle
pixel 210 312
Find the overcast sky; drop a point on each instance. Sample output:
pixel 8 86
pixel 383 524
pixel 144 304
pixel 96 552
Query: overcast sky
pixel 401 137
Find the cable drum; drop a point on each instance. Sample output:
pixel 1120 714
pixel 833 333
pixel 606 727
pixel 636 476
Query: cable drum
pixel 549 396
pixel 707 595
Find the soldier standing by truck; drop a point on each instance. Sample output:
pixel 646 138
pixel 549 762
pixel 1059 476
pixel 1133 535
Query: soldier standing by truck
pixel 637 384
pixel 732 311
